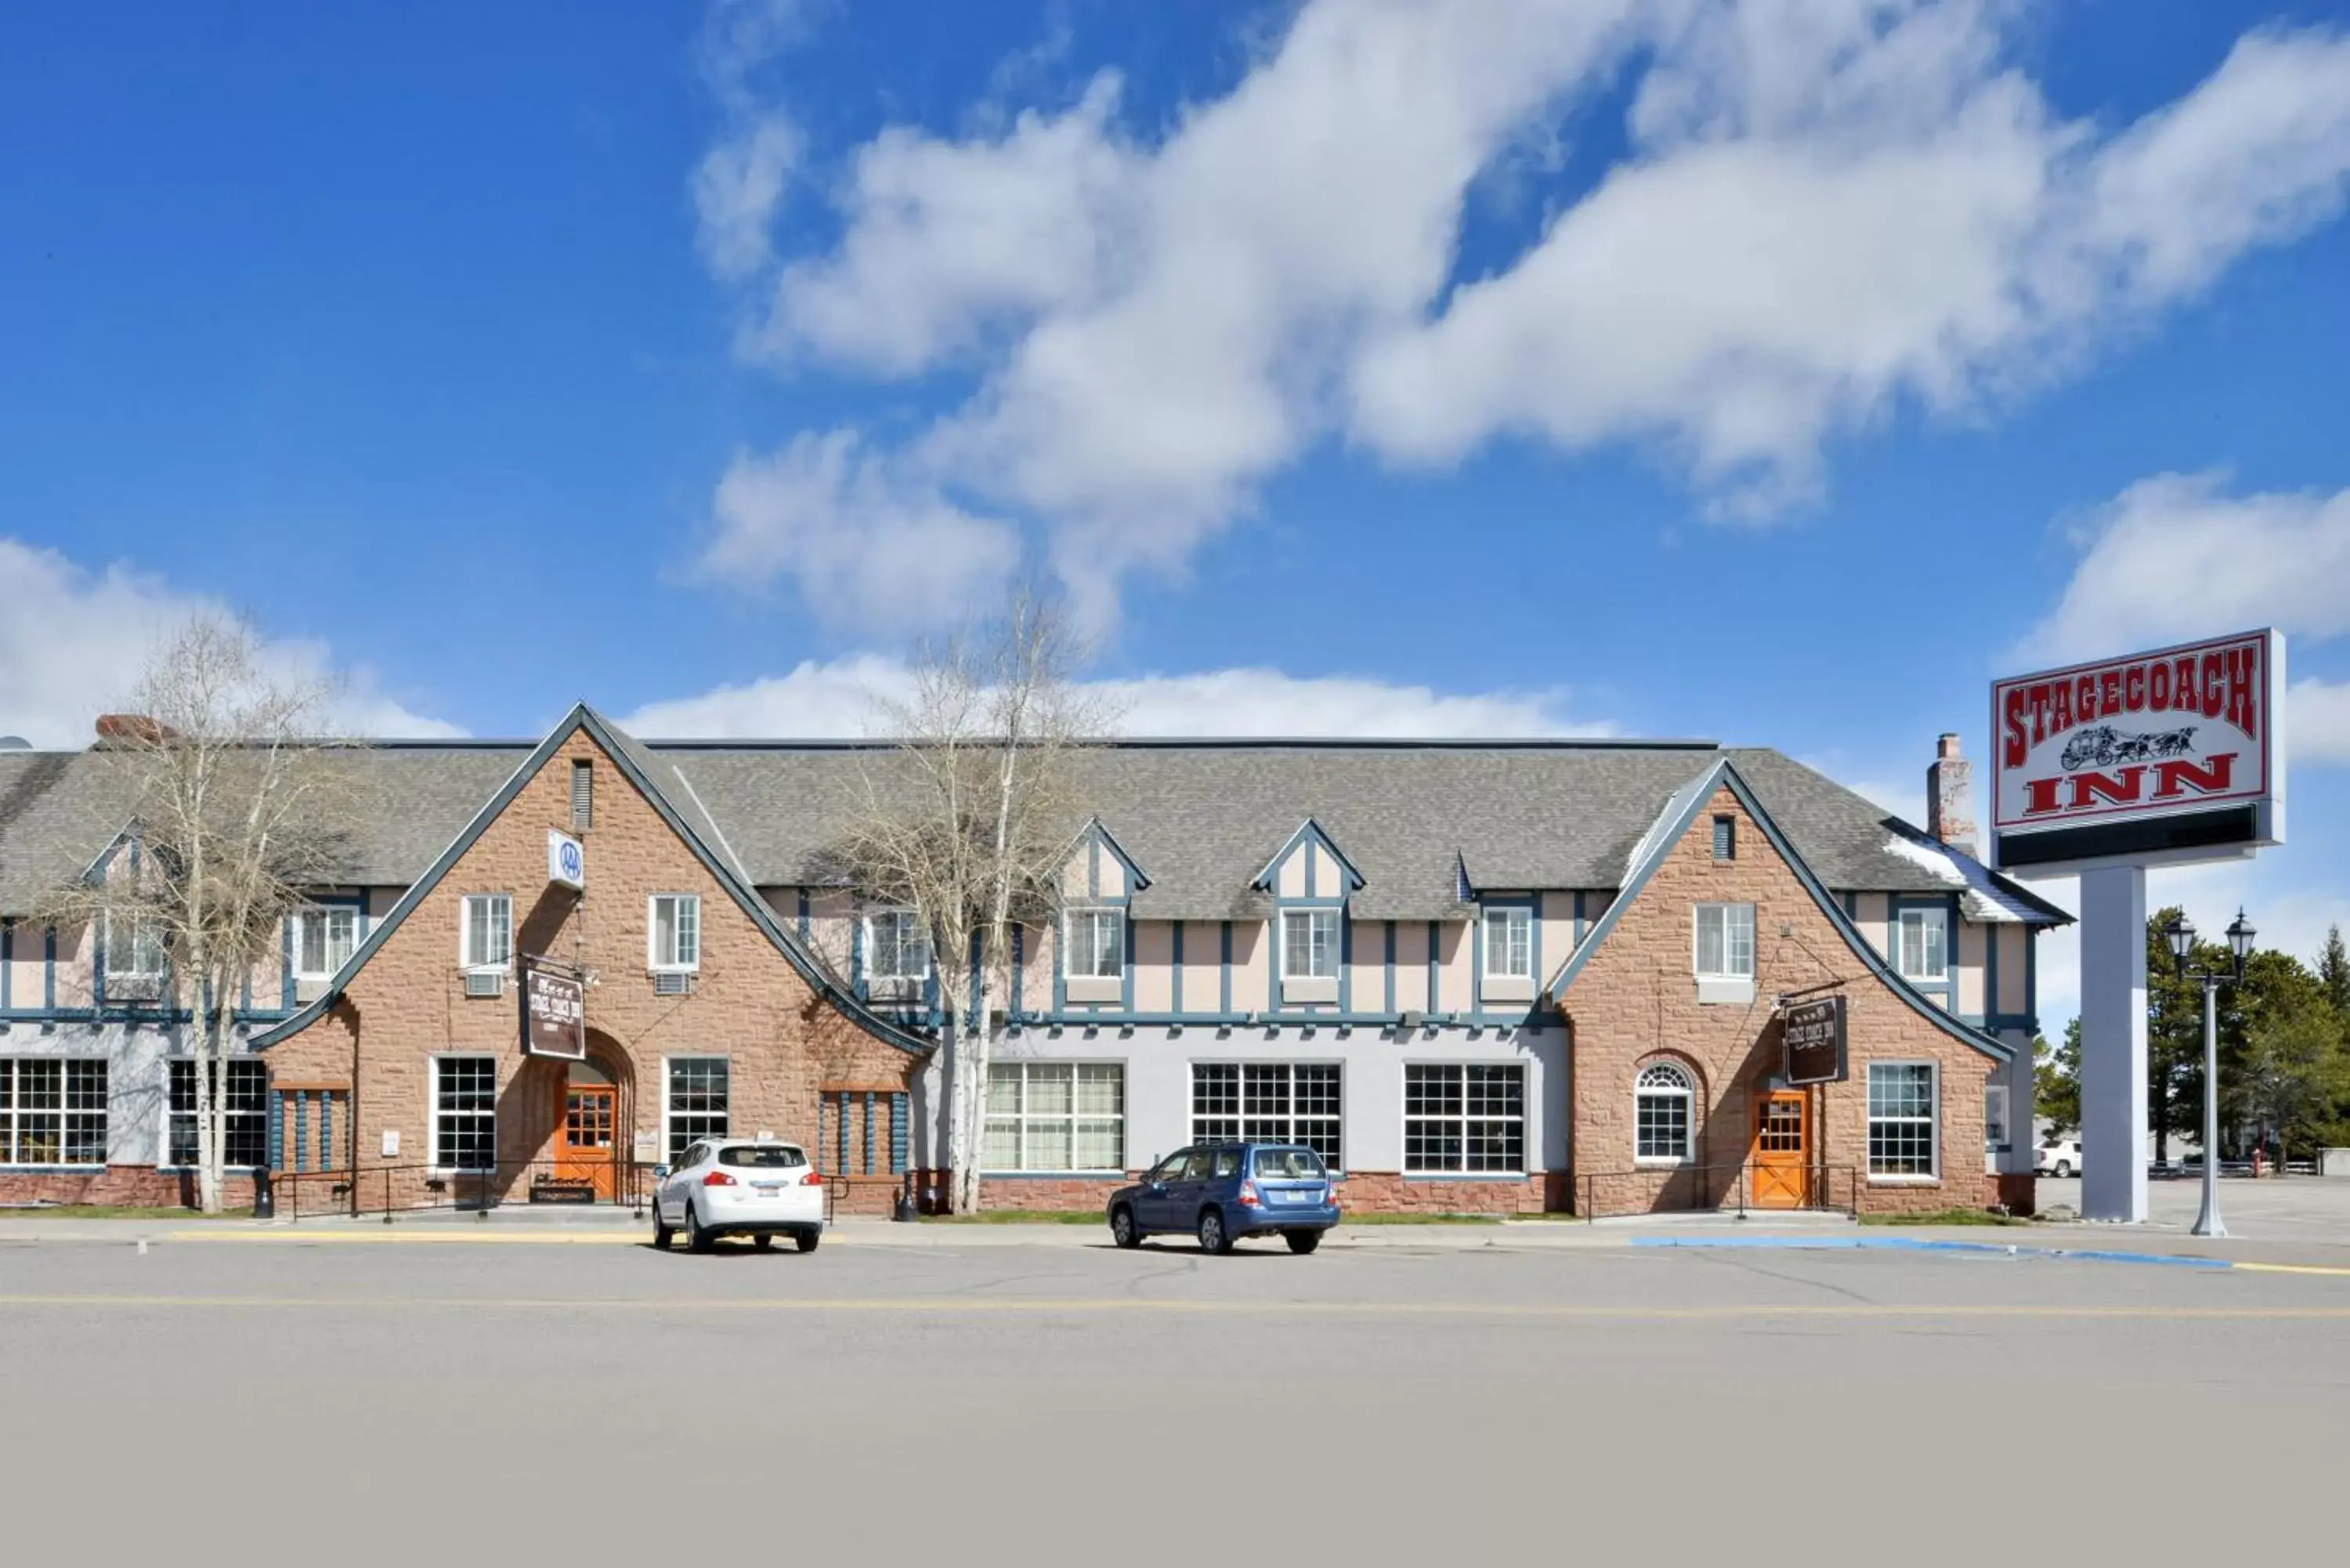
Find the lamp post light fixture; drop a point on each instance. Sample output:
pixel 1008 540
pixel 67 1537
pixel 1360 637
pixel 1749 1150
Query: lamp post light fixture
pixel 2180 933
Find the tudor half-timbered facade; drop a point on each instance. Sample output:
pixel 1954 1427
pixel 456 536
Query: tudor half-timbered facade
pixel 1479 976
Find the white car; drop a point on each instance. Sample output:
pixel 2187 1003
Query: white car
pixel 740 1187
pixel 2058 1156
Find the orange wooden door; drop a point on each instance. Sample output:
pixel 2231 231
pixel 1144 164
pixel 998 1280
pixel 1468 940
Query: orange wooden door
pixel 584 1152
pixel 1781 1161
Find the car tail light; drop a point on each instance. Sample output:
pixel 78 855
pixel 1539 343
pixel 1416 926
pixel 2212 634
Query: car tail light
pixel 1249 1199
pixel 717 1179
pixel 813 1178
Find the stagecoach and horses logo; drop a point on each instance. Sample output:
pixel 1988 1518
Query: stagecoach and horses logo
pixel 2103 746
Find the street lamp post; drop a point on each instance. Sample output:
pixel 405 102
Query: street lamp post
pixel 2180 932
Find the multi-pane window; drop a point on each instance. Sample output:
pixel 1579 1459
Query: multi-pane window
pixel 244 1133
pixel 487 938
pixel 465 1113
pixel 695 1104
pixel 1725 941
pixel 897 946
pixel 1923 945
pixel 1902 1118
pixel 134 948
pixel 1995 1140
pixel 1663 1105
pixel 676 930
pixel 323 939
pixel 1509 943
pixel 1055 1115
pixel 1309 944
pixel 1464 1116
pixel 1097 943
pixel 1270 1102
pixel 52 1111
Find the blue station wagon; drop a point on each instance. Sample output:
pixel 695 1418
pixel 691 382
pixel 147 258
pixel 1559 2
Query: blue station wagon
pixel 1221 1192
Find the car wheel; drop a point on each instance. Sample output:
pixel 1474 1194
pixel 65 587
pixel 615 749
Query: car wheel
pixel 2063 1167
pixel 1122 1228
pixel 1213 1237
pixel 1304 1242
pixel 698 1238
pixel 762 1241
pixel 807 1239
pixel 661 1231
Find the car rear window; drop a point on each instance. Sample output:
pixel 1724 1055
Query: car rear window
pixel 761 1156
pixel 1292 1162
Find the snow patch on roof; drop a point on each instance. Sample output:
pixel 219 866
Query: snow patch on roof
pixel 1983 900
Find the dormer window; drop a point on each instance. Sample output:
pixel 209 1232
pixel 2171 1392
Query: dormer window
pixel 322 941
pixel 1094 966
pixel 1309 955
pixel 896 952
pixel 1509 958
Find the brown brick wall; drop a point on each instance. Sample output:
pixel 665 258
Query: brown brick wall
pixel 1637 999
pixel 137 1186
pixel 1361 1192
pixel 749 1004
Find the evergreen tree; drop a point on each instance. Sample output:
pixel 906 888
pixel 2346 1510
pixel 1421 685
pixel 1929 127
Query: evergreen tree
pixel 2334 974
pixel 2056 1079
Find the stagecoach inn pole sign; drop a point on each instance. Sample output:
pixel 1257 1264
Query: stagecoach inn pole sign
pixel 2161 756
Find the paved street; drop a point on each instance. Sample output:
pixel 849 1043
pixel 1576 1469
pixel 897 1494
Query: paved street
pixel 360 1401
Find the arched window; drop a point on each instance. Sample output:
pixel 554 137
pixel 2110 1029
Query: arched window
pixel 1663 1112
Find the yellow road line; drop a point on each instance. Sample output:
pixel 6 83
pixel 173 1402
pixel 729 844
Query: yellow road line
pixel 434 1237
pixel 1121 1305
pixel 2291 1269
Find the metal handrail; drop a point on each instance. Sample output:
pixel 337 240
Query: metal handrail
pixel 1697 1183
pixel 348 1193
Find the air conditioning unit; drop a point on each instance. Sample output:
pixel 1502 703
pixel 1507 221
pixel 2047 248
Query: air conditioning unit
pixel 485 983
pixel 133 986
pixel 672 982
pixel 1414 1020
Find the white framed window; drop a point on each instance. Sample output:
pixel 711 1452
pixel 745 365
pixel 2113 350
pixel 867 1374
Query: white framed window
pixel 1309 944
pixel 1903 1112
pixel 1464 1117
pixel 1922 948
pixel 897 946
pixel 322 941
pixel 134 948
pixel 1097 942
pixel 1725 941
pixel 1509 943
pixel 694 1095
pixel 1270 1102
pixel 485 931
pixel 1055 1115
pixel 673 932
pixel 244 1132
pixel 1664 1115
pixel 52 1110
pixel 1995 1133
pixel 465 1113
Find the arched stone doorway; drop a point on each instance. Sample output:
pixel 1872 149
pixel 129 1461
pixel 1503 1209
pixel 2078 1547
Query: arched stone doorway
pixel 594 1113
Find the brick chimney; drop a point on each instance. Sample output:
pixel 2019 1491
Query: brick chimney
pixel 1950 796
pixel 130 729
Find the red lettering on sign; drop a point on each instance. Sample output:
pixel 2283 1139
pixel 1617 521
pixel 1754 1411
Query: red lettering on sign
pixel 2158 686
pixel 2015 748
pixel 2060 715
pixel 2109 693
pixel 2040 795
pixel 2243 707
pixel 2121 787
pixel 2133 687
pixel 2216 777
pixel 2215 692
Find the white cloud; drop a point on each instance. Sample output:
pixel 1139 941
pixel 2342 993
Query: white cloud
pixel 2176 557
pixel 73 642
pixel 1829 210
pixel 837 699
pixel 736 190
pixel 862 542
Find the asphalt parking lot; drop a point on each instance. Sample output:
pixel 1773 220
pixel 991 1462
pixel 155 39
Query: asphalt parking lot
pixel 359 1400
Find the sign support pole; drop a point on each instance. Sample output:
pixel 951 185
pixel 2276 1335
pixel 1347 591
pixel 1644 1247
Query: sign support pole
pixel 2113 1044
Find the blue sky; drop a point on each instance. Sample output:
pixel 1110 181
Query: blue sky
pixel 1778 374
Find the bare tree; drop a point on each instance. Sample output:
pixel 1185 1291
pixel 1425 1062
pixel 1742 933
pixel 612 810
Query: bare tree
pixel 230 806
pixel 969 820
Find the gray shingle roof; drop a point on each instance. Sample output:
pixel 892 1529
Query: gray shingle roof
pixel 1200 818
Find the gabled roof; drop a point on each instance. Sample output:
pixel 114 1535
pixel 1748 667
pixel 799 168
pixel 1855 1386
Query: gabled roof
pixel 1308 831
pixel 1098 831
pixel 1674 824
pixel 643 770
